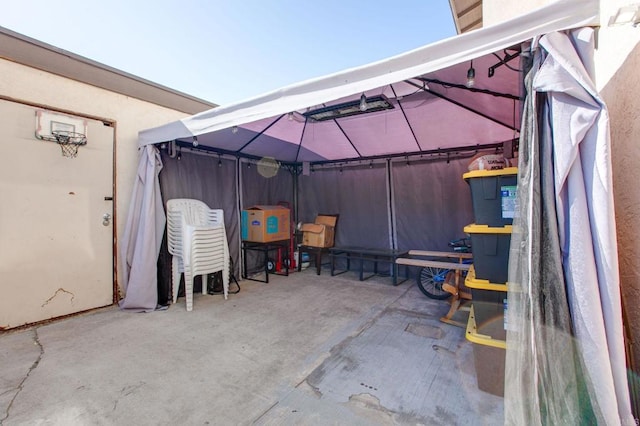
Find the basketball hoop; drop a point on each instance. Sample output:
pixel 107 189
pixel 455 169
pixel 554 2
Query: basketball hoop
pixel 69 142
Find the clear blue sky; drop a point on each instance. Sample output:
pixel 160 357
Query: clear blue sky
pixel 227 51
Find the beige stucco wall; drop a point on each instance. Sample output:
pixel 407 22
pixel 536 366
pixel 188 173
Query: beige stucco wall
pixel 131 115
pixel 618 80
pixel 495 11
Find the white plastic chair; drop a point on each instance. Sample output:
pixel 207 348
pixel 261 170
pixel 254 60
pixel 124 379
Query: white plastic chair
pixel 197 241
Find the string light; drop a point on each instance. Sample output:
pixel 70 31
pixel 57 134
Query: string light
pixel 363 103
pixel 471 76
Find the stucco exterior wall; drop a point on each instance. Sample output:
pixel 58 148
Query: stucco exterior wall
pixel 495 11
pixel 25 84
pixel 617 77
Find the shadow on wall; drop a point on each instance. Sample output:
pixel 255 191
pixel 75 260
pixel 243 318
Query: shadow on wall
pixel 623 102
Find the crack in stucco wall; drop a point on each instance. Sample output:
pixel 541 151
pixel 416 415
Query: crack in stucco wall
pixel 18 389
pixel 60 290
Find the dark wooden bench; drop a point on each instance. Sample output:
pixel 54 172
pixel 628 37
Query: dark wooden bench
pixel 363 255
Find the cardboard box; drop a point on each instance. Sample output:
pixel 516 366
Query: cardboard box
pixel 263 224
pixel 321 233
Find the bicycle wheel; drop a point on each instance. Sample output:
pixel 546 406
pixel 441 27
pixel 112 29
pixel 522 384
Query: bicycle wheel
pixel 430 282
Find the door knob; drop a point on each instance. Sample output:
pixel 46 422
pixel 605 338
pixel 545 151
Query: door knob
pixel 106 219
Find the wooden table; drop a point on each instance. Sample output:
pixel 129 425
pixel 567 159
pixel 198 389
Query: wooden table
pixel 459 296
pixel 363 254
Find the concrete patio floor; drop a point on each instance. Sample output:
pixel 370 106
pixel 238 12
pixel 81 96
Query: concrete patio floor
pixel 301 350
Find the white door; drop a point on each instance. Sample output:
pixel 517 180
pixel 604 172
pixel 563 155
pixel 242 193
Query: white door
pixel 56 244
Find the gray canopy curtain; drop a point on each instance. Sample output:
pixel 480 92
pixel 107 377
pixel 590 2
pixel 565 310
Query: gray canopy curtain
pixel 565 361
pixel 143 236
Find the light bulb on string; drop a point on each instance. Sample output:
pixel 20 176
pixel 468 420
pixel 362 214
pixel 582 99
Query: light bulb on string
pixel 363 103
pixel 471 76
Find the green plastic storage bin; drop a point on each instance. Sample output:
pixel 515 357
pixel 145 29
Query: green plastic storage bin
pixel 489 351
pixel 490 251
pixel 493 195
pixel 488 299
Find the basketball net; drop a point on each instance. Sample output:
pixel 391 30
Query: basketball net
pixel 69 142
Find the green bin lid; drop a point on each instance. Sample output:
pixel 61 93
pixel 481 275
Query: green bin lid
pixel 473 336
pixel 486 229
pixel 490 173
pixel 476 283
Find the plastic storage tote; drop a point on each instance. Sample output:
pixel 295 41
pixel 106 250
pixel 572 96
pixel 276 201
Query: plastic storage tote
pixel 490 251
pixel 493 195
pixel 489 350
pixel 487 298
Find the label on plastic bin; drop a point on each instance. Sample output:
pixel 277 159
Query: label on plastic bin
pixel 509 201
pixel 504 302
pixel 515 323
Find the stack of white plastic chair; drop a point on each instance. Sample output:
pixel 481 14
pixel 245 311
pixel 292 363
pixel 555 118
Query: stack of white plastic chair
pixel 197 241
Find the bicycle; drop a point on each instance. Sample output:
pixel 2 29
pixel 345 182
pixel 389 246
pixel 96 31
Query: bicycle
pixel 430 279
